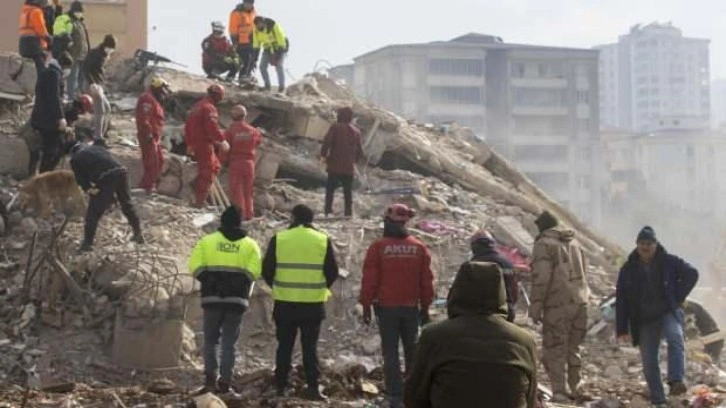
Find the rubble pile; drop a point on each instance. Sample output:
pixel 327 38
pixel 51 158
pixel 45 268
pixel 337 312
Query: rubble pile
pixel 126 315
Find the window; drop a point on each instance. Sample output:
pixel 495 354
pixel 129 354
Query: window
pixel 518 70
pixel 474 122
pixel 541 126
pixel 583 97
pixel 457 94
pixel 456 67
pixel 539 97
pixel 541 152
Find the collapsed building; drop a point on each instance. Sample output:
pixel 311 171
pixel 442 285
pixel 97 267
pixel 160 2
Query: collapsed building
pixel 104 325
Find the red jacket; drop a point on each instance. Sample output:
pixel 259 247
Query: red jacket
pixel 243 139
pixel 202 125
pixel 149 117
pixel 215 49
pixel 397 272
pixel 342 148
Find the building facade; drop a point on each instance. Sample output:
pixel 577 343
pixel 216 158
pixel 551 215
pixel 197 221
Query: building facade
pixel 651 75
pixel 538 106
pixel 126 19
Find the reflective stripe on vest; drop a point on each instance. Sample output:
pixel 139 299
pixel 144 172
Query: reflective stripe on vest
pixel 300 255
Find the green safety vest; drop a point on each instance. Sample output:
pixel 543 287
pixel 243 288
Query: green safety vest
pixel 300 255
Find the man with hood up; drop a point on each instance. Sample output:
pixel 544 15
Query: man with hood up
pixel 227 263
pixel 340 152
pixel 484 249
pixel 71 35
pixel 399 284
pixel 475 358
pixel 652 287
pixel 559 300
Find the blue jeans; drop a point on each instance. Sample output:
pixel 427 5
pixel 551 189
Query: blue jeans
pixel 74 82
pixel 397 324
pixel 670 327
pixel 280 68
pixel 225 324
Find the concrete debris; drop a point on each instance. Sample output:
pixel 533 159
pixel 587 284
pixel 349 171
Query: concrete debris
pixel 120 315
pixel 17 77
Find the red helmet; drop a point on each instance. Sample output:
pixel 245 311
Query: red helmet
pixel 216 91
pixel 483 236
pixel 86 102
pixel 238 112
pixel 399 213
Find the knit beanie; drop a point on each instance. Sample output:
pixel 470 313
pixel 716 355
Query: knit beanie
pixel 231 217
pixel 109 41
pixel 646 234
pixel 546 221
pixel 302 214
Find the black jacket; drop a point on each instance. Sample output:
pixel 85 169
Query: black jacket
pixel 488 253
pixel 93 67
pixel 292 310
pixel 92 164
pixel 48 108
pixel 475 358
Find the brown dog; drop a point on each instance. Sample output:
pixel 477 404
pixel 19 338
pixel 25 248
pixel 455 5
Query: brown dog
pixel 52 190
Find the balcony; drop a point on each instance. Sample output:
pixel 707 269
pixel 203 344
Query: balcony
pixel 543 165
pixel 540 111
pixel 542 83
pixel 455 80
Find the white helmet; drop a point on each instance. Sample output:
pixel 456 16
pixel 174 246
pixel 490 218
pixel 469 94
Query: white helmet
pixel 217 26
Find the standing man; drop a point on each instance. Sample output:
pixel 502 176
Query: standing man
pixel 300 268
pixel 243 139
pixel 150 126
pixel 105 180
pixel 241 27
pixel 227 263
pixel 70 30
pixel 94 71
pixel 397 279
pixel 652 287
pixel 51 10
pixel 475 358
pixel 269 39
pixel 47 117
pixel 218 54
pixel 484 249
pixel 559 300
pixel 202 134
pixel 34 33
pixel 341 150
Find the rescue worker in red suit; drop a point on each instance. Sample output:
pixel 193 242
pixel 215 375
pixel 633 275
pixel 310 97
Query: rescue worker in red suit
pixel 202 134
pixel 243 139
pixel 399 285
pixel 149 126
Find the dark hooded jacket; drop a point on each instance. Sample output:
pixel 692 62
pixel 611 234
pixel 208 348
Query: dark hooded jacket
pixel 475 358
pixel 677 276
pixel 48 107
pixel 486 251
pixel 342 145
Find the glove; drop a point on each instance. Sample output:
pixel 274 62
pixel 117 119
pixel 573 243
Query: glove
pixel 229 60
pixel 93 191
pixel 223 146
pixel 535 312
pixel 62 125
pixel 367 315
pixel 423 316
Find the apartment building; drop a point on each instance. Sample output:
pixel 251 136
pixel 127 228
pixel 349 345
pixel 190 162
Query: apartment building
pixel 654 73
pixel 536 105
pixel 126 19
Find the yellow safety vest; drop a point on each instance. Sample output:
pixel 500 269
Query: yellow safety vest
pixel 300 255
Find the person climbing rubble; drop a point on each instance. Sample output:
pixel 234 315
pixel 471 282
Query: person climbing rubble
pixel 651 290
pixel 226 263
pixel 484 249
pixel 300 267
pixel 150 126
pixel 47 117
pixel 218 54
pixel 95 78
pixel 35 38
pixel 241 27
pixel 71 35
pixel 105 180
pixel 243 139
pixel 340 152
pixel 201 135
pixel 558 299
pixel 476 357
pixel 398 283
pixel 270 40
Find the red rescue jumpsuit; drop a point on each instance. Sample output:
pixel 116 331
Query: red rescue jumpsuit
pixel 242 139
pixel 201 134
pixel 150 125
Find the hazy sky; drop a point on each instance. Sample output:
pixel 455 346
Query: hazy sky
pixel 338 30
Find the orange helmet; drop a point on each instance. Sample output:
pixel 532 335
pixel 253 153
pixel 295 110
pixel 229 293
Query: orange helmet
pixel 399 213
pixel 86 102
pixel 216 91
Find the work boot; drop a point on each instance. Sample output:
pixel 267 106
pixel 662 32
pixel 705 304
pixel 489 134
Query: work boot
pixel 138 238
pixel 267 88
pixel 210 385
pixel 280 392
pixel 85 247
pixel 314 394
pixel 224 390
pixel 560 398
pixel 677 388
pixel 579 394
pixel 281 90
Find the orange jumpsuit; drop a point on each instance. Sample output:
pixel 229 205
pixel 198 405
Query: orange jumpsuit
pixel 201 134
pixel 150 125
pixel 243 139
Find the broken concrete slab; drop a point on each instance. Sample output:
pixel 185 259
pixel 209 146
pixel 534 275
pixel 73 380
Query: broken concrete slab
pixel 308 125
pixel 17 76
pixel 141 344
pixel 509 231
pixel 14 156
